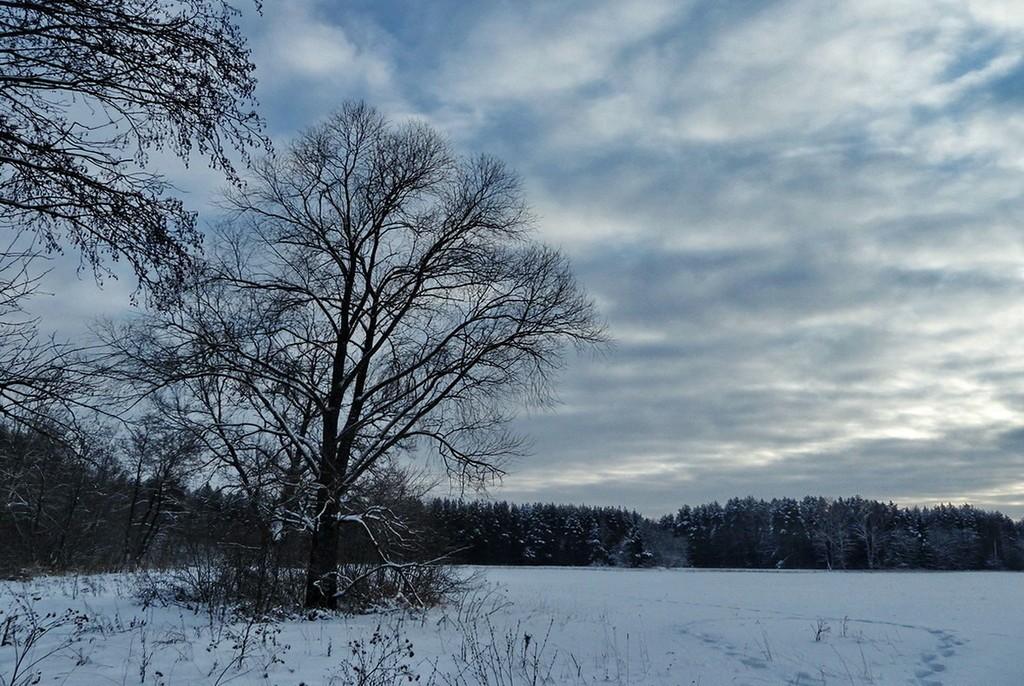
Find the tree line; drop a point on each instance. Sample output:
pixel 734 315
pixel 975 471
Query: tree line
pixel 503 533
pixel 122 501
pixel 846 533
pixel 749 533
pixel 107 502
pixel 127 501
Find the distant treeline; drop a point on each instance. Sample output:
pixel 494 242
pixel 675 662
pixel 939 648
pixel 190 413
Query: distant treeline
pixel 501 533
pixel 846 533
pixel 813 533
pixel 108 504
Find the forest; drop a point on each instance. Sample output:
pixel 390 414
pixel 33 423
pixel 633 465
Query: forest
pixel 745 533
pixel 128 503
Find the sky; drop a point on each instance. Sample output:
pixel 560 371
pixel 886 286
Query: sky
pixel 802 220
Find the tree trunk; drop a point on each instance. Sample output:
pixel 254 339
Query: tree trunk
pixel 151 521
pixel 322 573
pixel 321 576
pixel 57 558
pixel 136 486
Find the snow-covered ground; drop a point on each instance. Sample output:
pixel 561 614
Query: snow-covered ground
pixel 602 626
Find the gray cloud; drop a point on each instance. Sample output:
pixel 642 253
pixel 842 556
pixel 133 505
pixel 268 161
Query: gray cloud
pixel 804 226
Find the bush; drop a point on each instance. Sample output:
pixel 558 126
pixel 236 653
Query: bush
pixel 367 588
pixel 226 580
pixel 382 660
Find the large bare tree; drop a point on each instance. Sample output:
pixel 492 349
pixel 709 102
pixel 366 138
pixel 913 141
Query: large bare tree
pixel 372 293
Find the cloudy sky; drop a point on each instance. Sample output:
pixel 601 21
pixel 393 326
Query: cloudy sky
pixel 803 221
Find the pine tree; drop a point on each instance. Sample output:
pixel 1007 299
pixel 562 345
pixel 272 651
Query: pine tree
pixel 633 550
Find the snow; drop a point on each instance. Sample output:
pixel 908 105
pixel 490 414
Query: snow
pixel 603 625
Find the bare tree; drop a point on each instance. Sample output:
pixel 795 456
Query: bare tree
pixel 373 294
pixel 870 528
pixel 39 381
pixel 49 493
pixel 87 89
pixel 158 459
pixel 831 532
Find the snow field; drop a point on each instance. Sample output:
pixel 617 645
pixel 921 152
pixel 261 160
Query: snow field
pixel 558 626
